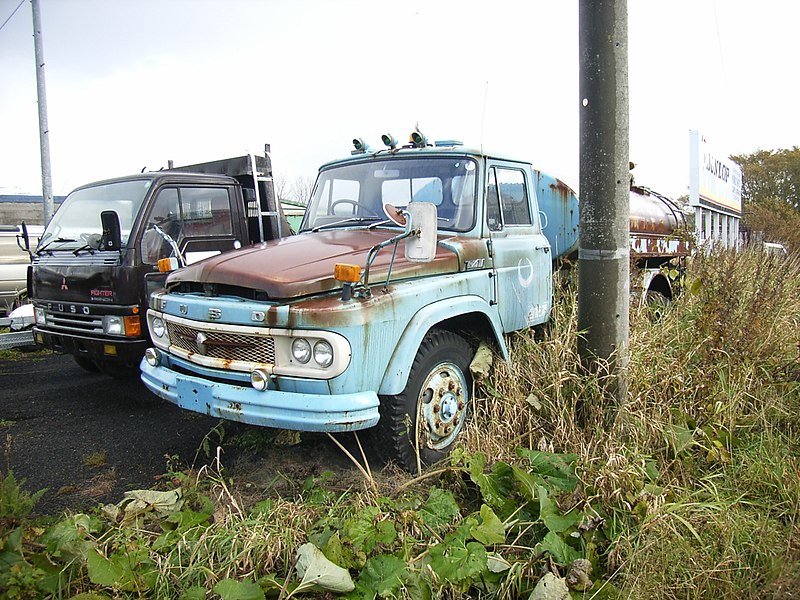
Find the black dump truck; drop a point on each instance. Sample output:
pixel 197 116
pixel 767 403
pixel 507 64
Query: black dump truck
pixel 98 260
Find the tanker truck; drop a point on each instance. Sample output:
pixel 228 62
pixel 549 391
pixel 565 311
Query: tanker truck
pixel 659 245
pixel 407 258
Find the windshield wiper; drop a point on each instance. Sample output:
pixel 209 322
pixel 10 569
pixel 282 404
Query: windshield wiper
pixel 384 222
pixel 82 248
pixel 51 242
pixel 342 222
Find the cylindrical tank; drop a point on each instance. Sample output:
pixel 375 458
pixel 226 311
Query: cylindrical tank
pixel 658 225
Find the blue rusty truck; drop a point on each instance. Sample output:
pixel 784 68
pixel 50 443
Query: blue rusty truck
pixel 407 258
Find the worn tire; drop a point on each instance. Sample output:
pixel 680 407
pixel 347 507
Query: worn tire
pixel 87 364
pixel 656 304
pixel 440 369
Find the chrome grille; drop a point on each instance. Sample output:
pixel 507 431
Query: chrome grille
pixel 222 345
pixel 73 322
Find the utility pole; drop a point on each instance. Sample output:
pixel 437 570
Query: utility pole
pixel 44 130
pixel 603 255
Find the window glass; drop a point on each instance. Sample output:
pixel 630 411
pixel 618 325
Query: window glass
pixel 353 195
pixel 399 192
pixel 206 212
pixel 493 218
pixel 166 215
pixel 513 197
pixel 191 212
pixel 77 221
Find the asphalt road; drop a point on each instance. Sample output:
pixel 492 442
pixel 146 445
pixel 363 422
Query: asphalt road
pixel 88 438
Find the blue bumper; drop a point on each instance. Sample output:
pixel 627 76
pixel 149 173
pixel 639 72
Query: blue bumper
pixel 270 408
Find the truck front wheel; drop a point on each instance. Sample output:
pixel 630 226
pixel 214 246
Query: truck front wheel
pixel 420 425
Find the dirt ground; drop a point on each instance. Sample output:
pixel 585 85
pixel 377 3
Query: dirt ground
pixel 87 438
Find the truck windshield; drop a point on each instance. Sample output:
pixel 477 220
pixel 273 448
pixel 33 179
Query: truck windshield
pixel 353 194
pixel 77 221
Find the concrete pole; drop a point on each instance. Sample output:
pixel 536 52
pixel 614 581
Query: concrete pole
pixel 604 250
pixel 44 130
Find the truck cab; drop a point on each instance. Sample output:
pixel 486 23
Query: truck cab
pixel 406 258
pixel 97 262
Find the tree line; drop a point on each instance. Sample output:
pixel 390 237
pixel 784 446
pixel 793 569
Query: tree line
pixel 771 195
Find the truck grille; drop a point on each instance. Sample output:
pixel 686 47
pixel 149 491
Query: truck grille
pixel 75 323
pixel 222 345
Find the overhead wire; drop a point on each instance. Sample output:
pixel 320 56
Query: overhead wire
pixel 21 2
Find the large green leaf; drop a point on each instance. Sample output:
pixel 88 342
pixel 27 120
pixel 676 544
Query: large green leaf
pixel 440 509
pixel 551 515
pixel 491 530
pixel 455 563
pixel 555 469
pixel 561 552
pixel 384 574
pixel 368 529
pixel 109 573
pixel 231 589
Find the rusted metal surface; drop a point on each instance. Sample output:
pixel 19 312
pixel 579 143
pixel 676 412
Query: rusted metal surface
pixel 303 265
pixel 657 226
pixel 559 203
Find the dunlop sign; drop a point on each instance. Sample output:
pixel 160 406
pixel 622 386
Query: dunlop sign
pixel 715 182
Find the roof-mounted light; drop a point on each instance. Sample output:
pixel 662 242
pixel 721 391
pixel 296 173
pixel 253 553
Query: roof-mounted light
pixel 444 143
pixel 389 140
pixel 360 146
pixel 418 139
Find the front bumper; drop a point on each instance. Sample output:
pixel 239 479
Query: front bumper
pixel 116 350
pixel 270 408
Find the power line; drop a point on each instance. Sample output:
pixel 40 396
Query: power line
pixel 21 2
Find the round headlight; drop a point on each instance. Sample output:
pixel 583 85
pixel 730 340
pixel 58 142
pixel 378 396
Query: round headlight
pixel 259 380
pixel 301 350
pixel 157 326
pixel 323 354
pixel 152 356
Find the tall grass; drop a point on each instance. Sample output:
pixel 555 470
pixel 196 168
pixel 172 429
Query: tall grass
pixel 699 478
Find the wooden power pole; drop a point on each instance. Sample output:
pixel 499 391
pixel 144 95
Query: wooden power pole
pixel 603 256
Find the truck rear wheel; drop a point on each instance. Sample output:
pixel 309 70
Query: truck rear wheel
pixel 420 425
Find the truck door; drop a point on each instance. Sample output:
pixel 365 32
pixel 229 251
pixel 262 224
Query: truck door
pixel 198 218
pixel 521 253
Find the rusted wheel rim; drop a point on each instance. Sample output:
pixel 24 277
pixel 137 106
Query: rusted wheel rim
pixel 442 406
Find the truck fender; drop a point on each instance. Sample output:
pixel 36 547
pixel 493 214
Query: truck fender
pixel 655 280
pixel 396 374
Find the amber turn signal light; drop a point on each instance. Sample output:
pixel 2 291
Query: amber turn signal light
pixel 347 273
pixel 166 265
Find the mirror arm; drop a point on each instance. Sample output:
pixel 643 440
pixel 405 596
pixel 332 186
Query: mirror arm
pixel 373 253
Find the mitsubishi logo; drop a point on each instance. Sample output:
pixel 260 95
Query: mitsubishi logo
pixel 64 283
pixel 201 339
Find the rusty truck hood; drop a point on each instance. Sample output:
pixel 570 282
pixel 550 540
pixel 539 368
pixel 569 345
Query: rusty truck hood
pixel 302 265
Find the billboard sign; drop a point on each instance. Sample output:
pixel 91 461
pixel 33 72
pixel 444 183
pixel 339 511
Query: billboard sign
pixel 715 182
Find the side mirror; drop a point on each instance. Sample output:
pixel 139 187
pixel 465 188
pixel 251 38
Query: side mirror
pixel 112 232
pixel 424 218
pixel 24 239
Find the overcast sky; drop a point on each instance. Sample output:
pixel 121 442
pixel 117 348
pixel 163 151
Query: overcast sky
pixel 134 83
